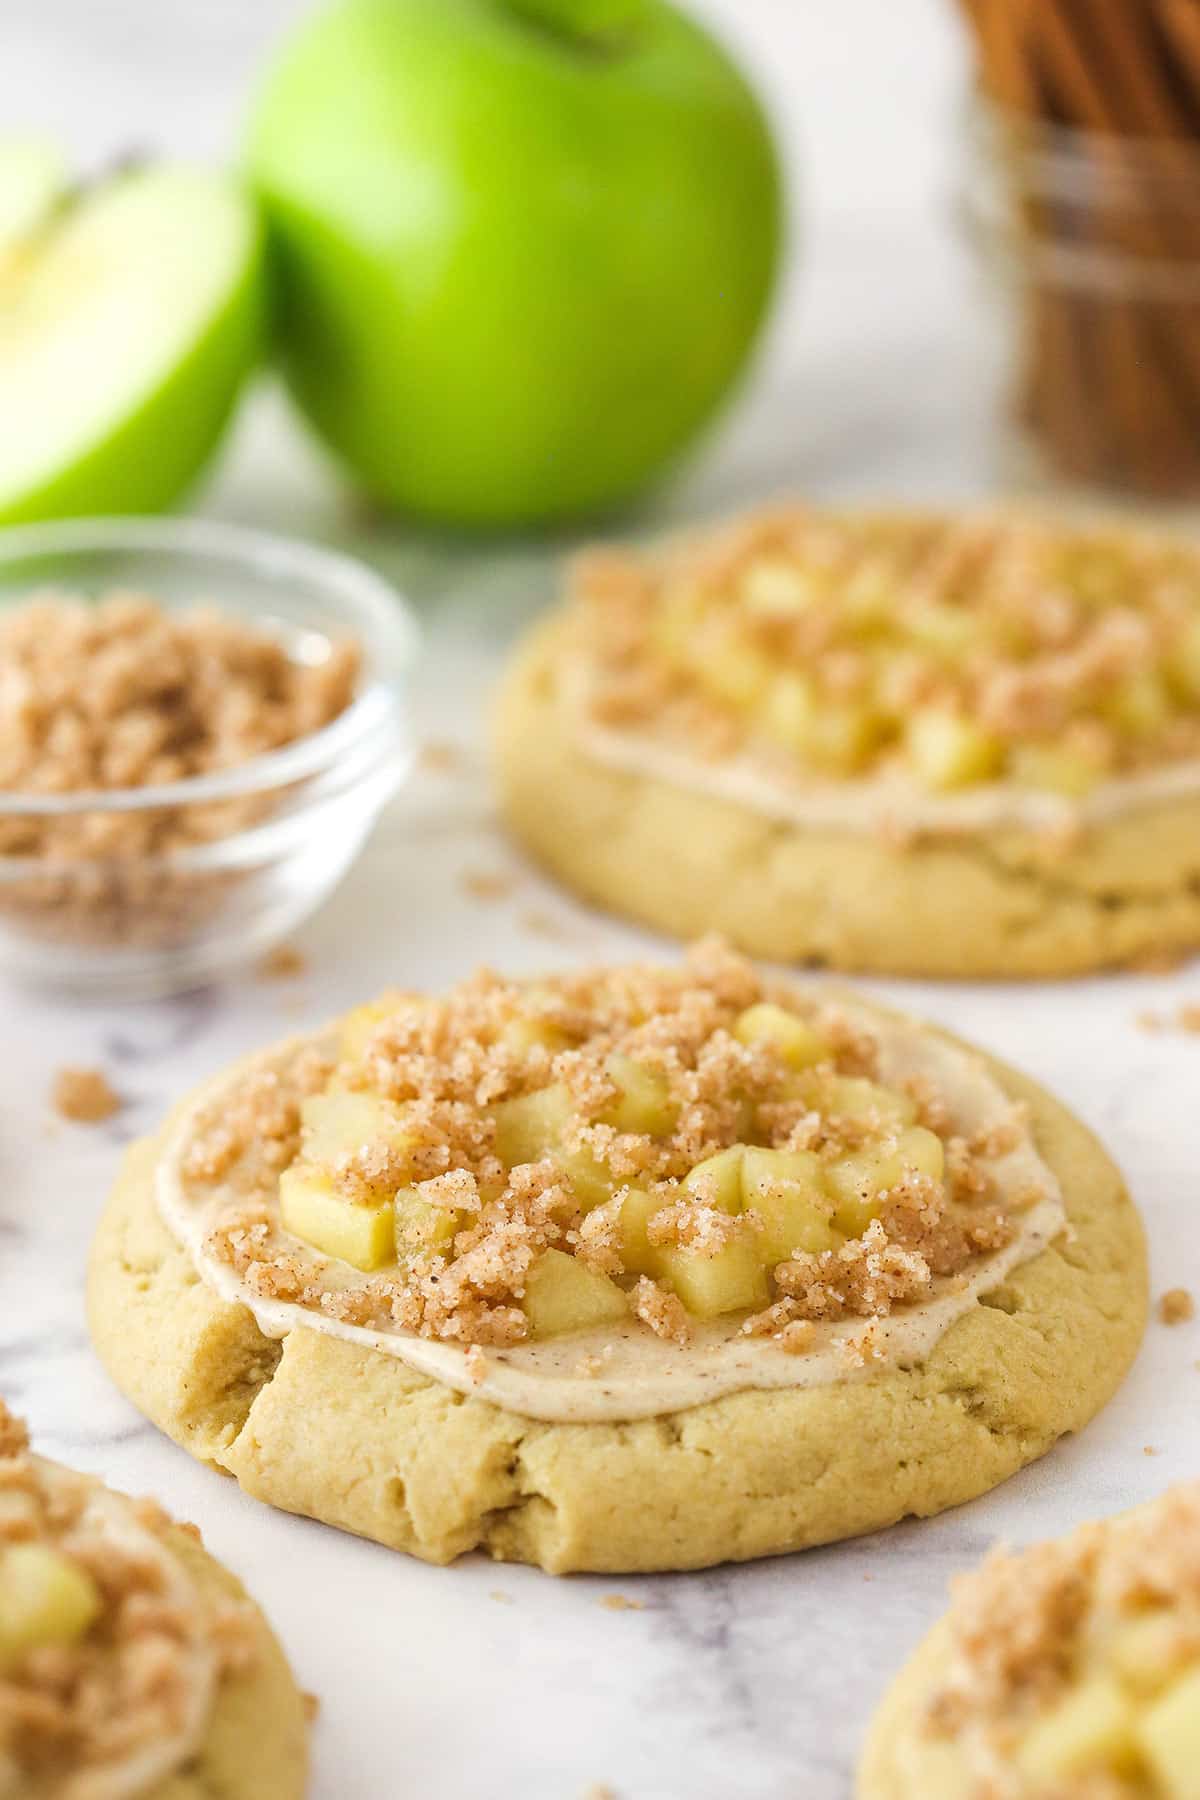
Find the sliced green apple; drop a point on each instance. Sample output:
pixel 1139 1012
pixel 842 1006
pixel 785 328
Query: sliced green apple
pixel 129 319
pixel 33 180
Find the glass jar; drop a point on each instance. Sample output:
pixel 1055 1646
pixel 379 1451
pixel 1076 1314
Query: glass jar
pixel 1090 246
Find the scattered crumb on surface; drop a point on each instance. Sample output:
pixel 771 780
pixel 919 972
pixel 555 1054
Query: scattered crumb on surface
pixel 1150 1450
pixel 311 1705
pixel 438 757
pixel 85 1096
pixel 1176 1306
pixel 487 884
pixel 477 1365
pixel 622 1603
pixel 599 1790
pixel 283 963
pixel 499 1594
pixel 1184 1018
pixel 545 925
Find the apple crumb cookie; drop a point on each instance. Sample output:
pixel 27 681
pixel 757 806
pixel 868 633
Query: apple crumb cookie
pixel 518 1160
pixel 110 1658
pixel 945 652
pixel 1075 1666
pixel 123 694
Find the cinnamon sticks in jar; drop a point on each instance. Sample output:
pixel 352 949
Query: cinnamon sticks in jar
pixel 1091 111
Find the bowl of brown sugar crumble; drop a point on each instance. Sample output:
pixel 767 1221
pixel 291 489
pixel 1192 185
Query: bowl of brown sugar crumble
pixel 199 726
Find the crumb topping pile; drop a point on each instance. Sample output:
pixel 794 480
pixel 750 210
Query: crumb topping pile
pixel 125 694
pixel 97 1657
pixel 947 652
pixel 1076 1663
pixel 668 1145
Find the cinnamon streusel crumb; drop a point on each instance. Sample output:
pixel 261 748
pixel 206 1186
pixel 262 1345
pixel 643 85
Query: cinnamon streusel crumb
pixel 85 1096
pixel 1176 1306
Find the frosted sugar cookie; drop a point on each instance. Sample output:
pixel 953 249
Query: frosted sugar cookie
pixel 935 745
pixel 1068 1671
pixel 132 1666
pixel 621 1268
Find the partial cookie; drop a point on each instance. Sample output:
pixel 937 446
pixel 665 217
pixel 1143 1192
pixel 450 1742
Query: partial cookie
pixel 930 746
pixel 409 1282
pixel 131 1663
pixel 1064 1672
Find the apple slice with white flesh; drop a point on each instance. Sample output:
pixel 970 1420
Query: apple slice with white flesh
pixel 131 311
pixel 33 180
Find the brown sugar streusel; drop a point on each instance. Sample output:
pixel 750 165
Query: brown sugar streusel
pixel 123 694
pixel 1075 1664
pixel 1176 1306
pixel 637 1144
pixel 952 652
pixel 108 1668
pixel 85 1096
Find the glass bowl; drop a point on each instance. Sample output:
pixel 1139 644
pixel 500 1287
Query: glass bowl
pixel 130 925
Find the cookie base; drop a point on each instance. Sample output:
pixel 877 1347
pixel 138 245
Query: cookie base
pixel 256 1747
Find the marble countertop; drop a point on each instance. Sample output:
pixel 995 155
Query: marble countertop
pixel 483 1682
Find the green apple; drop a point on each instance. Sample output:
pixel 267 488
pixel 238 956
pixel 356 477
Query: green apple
pixel 524 246
pixel 130 314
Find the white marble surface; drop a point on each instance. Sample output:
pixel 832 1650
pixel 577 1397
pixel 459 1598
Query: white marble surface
pixel 482 1682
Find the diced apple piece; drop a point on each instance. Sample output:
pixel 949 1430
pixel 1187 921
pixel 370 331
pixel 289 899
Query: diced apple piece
pixel 1147 1652
pixel 842 735
pixel 638 1254
pixel 1168 1735
pixel 336 1125
pixel 531 1125
pixel 773 585
pixel 563 1294
pixel 731 1281
pixel 949 631
pixel 45 1598
pixel 717 1181
pixel 921 1151
pixel 732 671
pixel 360 1024
pixel 1092 1727
pixel 1184 662
pixel 796 1040
pixel 786 1191
pixel 313 1211
pixel 854 1097
pixel 857 1180
pixel 644 1102
pixel 868 598
pixel 786 712
pixel 675 623
pixel 525 1034
pixel 1054 770
pixel 947 751
pixel 421 1228
pixel 1141 704
pixel 590 1179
